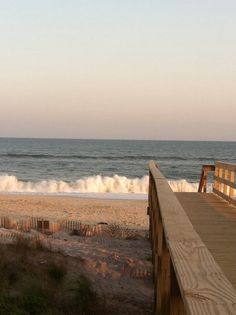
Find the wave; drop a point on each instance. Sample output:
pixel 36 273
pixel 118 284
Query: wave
pixel 183 186
pixel 146 158
pixel 92 184
pixel 91 157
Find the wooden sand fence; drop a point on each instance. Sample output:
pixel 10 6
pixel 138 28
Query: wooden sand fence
pixel 47 226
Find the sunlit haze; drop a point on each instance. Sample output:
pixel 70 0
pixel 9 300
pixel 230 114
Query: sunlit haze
pixel 118 69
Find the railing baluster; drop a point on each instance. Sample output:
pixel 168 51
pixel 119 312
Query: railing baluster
pixel 225 186
pixel 159 268
pixel 216 183
pixel 231 190
pixel 220 176
pixel 226 176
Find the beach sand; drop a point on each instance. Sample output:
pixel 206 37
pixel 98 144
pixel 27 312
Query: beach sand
pixel 119 267
pixel 132 213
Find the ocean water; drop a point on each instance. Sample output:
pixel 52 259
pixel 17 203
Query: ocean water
pixel 103 167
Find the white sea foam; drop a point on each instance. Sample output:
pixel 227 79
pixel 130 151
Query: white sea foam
pixel 92 184
pixel 88 185
pixel 183 186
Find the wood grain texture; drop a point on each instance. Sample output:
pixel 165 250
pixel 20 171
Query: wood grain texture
pixel 215 222
pixel 231 190
pixel 229 166
pixel 203 285
pixel 225 181
pixel 203 180
pixel 225 197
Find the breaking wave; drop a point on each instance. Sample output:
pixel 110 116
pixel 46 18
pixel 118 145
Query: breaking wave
pixel 183 186
pixel 93 184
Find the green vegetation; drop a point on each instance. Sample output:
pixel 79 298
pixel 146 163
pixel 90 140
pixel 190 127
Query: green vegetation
pixel 36 281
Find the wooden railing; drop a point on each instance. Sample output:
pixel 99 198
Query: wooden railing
pixel 224 181
pixel 187 279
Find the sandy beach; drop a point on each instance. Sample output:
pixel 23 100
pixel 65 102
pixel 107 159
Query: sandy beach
pixel 118 264
pixel 132 213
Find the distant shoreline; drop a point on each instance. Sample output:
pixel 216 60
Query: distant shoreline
pixel 117 139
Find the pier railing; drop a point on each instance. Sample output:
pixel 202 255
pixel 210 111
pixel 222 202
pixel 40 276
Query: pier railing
pixel 224 181
pixel 187 279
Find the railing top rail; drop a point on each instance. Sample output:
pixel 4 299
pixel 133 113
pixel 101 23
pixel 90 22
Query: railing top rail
pixel 203 285
pixel 226 165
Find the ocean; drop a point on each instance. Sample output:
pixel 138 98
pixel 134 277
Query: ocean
pixel 115 168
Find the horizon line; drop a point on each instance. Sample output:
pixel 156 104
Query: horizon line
pixel 113 139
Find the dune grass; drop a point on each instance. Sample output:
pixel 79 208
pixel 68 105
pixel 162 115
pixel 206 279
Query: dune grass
pixel 35 281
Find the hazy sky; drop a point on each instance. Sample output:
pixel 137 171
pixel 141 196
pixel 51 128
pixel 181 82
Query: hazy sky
pixel 139 69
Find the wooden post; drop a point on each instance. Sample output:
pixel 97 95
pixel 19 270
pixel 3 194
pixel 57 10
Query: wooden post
pixel 176 301
pixel 226 177
pixel 203 180
pixel 231 190
pixel 165 279
pixel 154 226
pixel 159 269
pixel 216 183
pixel 220 176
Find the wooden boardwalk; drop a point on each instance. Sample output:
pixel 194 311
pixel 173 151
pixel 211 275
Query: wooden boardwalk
pixel 215 222
pixel 193 240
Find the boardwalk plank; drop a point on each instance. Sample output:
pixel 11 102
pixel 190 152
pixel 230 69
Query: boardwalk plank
pixel 204 285
pixel 215 222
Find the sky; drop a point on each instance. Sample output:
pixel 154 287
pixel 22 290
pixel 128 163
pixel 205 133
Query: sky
pixel 127 69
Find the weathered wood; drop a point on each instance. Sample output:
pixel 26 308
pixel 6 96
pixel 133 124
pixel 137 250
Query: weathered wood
pixel 221 177
pixel 176 301
pixel 215 222
pixel 216 183
pixel 229 166
pixel 203 180
pixel 204 287
pixel 231 190
pixel 159 268
pixel 165 279
pixel 226 176
pixel 225 186
pixel 226 182
pixel 223 196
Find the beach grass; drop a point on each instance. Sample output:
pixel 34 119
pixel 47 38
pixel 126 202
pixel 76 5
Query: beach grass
pixel 35 280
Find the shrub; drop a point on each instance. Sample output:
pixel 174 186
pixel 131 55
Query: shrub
pixel 56 272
